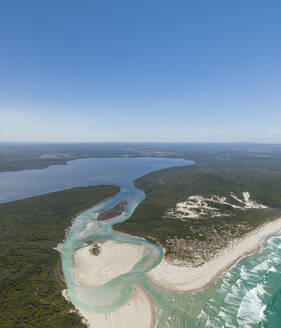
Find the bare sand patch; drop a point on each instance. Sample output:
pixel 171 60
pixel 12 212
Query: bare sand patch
pixel 114 259
pixel 197 206
pixel 137 313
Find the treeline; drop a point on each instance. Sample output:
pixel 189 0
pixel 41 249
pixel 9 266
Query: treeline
pixel 30 290
pixel 19 156
pixel 165 188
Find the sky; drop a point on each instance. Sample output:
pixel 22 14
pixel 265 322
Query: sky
pixel 140 70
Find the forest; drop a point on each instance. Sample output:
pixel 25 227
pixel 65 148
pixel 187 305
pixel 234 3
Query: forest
pixel 184 239
pixel 30 284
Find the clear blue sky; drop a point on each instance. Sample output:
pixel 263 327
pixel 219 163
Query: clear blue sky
pixel 140 70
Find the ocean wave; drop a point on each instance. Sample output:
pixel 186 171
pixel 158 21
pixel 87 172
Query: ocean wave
pixel 251 309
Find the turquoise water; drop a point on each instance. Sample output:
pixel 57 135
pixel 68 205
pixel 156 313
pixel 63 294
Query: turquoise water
pixel 248 295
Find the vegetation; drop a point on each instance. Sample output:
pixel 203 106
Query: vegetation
pixel 113 212
pixel 95 250
pixel 186 239
pixel 30 288
pixel 30 291
pixel 19 156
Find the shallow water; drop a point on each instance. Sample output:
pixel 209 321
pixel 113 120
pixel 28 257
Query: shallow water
pixel 249 295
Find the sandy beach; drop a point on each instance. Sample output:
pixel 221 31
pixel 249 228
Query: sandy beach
pixel 188 279
pixel 114 259
pixel 137 313
pixel 119 258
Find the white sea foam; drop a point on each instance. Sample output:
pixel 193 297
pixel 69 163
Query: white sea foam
pixel 261 267
pixel 209 323
pixel 243 273
pixel 202 315
pixel 251 309
pixel 239 283
pixel 272 269
pixel 226 320
pixel 234 297
pixel 274 240
pixel 223 315
pixel 276 260
pixel 228 275
pixel 227 310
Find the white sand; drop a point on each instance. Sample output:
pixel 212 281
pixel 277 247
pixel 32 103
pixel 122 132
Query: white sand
pixel 184 279
pixel 137 313
pixel 197 206
pixel 115 259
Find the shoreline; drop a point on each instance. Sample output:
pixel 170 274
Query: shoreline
pixel 92 271
pixel 167 276
pixel 59 270
pixel 58 247
pixel 190 279
pixel 138 313
pixel 115 259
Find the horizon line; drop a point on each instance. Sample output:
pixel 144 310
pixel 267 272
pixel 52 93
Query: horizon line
pixel 141 142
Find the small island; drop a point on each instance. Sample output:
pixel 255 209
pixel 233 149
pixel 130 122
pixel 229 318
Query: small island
pixel 95 249
pixel 114 211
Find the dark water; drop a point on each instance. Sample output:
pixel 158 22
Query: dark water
pixel 81 172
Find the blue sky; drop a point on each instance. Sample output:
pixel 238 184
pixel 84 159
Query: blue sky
pixel 140 70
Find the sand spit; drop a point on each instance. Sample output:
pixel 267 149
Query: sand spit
pixel 114 259
pixel 188 279
pixel 137 313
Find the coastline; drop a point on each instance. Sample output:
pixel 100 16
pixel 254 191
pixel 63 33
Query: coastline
pixel 166 276
pixel 190 279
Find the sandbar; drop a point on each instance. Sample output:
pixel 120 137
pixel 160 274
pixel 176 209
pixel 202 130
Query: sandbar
pixel 137 313
pixel 114 259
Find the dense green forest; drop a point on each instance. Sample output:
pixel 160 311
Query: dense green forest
pixel 30 289
pixel 165 188
pixel 19 156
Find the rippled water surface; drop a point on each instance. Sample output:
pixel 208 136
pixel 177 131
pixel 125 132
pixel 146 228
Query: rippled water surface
pixel 249 295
